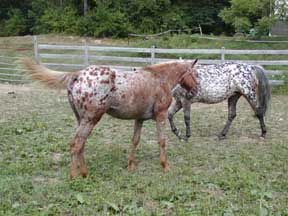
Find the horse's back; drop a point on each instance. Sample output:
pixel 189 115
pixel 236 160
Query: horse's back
pixel 218 82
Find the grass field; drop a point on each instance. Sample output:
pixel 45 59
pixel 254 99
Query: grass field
pixel 242 175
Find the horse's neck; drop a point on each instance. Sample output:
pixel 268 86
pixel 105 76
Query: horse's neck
pixel 169 73
pixel 174 75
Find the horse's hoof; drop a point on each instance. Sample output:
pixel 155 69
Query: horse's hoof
pixel 262 137
pixel 83 174
pixel 166 168
pixel 73 173
pixel 176 132
pixel 131 167
pixel 185 138
pixel 221 137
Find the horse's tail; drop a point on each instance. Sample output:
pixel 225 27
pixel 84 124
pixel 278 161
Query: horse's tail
pixel 263 89
pixel 47 77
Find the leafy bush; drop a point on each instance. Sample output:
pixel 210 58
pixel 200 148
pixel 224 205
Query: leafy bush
pixel 57 20
pixel 264 24
pixel 244 14
pixel 106 22
pixel 15 24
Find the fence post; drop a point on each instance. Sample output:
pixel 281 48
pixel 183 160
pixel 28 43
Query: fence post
pixel 86 54
pixel 222 53
pixel 36 53
pixel 200 29
pixel 153 54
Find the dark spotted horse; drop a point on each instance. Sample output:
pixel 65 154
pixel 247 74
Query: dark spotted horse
pixel 219 82
pixel 140 95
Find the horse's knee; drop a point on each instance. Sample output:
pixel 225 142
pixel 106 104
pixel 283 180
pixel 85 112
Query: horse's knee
pixel 170 116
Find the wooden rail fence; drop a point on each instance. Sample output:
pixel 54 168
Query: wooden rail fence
pixel 75 57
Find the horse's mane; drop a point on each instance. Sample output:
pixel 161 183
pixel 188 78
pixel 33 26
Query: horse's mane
pixel 162 67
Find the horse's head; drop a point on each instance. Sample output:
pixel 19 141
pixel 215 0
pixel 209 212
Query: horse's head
pixel 188 79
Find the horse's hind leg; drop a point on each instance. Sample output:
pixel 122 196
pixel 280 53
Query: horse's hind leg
pixel 232 101
pixel 187 111
pixel 77 144
pixel 259 112
pixel 174 108
pixel 260 115
pixel 71 102
pixel 135 140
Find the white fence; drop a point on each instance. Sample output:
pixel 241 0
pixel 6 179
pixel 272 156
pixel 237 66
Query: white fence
pixel 77 57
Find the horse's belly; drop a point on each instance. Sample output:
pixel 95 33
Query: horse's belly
pixel 129 114
pixel 213 95
pixel 125 109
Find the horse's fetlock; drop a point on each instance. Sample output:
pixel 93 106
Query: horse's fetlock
pixel 187 117
pixel 162 142
pixel 231 117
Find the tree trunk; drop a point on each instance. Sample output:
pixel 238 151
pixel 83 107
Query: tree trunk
pixel 84 7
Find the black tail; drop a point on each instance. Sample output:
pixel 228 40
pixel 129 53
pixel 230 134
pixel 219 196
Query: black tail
pixel 263 89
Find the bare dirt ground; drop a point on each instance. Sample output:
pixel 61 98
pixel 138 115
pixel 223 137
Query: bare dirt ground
pixel 18 100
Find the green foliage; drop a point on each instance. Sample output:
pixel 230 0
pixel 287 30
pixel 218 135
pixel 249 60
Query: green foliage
pixel 281 6
pixel 264 24
pixel 34 14
pixel 244 14
pixel 104 22
pixel 153 16
pixel 111 17
pixel 15 24
pixel 58 20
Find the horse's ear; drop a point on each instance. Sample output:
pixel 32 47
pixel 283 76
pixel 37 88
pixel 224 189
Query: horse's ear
pixel 195 61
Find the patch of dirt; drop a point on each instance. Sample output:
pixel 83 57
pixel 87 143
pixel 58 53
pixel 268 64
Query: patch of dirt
pixel 8 88
pixel 56 157
pixel 42 179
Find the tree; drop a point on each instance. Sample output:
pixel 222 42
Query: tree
pixel 245 14
pixel 281 9
pixel 85 7
pixel 109 17
pixel 15 24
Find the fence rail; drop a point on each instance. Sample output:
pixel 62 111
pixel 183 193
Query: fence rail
pixel 131 58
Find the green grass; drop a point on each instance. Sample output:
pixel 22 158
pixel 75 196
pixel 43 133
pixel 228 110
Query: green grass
pixel 242 175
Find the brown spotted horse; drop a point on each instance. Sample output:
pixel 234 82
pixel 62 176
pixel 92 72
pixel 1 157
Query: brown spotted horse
pixel 140 95
pixel 219 82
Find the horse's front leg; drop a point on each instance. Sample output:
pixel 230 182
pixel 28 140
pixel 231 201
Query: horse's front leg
pixel 174 108
pixel 160 124
pixel 135 140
